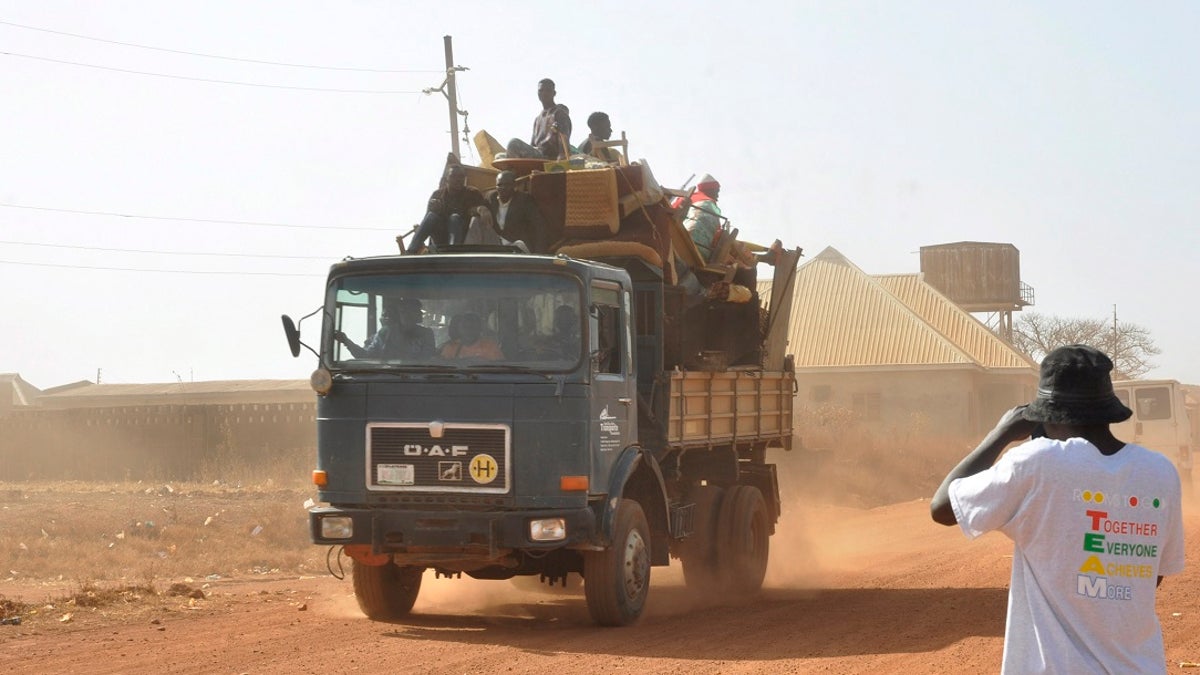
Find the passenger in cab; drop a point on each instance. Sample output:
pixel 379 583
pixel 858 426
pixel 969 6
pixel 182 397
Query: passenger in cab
pixel 467 340
pixel 565 338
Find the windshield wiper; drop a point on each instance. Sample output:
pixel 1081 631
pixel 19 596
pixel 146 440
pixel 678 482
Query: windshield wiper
pixel 508 368
pixel 394 368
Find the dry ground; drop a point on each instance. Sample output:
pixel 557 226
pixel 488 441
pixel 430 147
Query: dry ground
pixel 850 589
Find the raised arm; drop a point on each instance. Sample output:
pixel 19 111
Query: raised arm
pixel 355 351
pixel 1011 428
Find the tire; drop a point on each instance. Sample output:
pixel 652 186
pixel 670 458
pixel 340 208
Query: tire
pixel 743 540
pixel 698 551
pixel 617 580
pixel 387 591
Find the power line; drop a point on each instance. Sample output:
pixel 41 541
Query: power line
pixel 158 271
pixel 135 250
pixel 204 79
pixel 198 220
pixel 215 56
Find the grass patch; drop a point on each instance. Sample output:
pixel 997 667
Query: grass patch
pixel 90 595
pixel 134 533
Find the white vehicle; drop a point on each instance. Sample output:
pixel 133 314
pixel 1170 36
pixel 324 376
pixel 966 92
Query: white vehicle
pixel 1165 418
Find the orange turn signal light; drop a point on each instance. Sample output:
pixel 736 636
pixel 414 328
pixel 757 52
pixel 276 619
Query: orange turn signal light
pixel 573 483
pixel 320 478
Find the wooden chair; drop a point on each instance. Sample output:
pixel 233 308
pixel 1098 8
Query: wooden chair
pixel 623 156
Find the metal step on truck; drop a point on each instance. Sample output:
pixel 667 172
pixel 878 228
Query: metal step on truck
pixel 597 408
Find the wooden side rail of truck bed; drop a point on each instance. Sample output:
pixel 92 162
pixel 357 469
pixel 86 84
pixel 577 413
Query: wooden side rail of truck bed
pixel 730 408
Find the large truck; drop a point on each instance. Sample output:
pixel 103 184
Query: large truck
pixel 620 415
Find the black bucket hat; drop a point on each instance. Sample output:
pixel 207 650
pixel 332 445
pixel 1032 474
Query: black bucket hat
pixel 1075 388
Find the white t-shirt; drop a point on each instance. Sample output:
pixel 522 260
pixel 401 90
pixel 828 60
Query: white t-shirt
pixel 1091 533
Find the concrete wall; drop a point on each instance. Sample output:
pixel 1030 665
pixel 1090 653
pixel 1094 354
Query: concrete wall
pixel 169 442
pixel 947 403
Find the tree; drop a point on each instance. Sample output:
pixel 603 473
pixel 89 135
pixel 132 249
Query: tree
pixel 1129 345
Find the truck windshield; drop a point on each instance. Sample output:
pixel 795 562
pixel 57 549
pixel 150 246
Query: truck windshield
pixel 459 321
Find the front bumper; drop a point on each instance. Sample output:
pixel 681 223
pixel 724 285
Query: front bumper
pixel 471 533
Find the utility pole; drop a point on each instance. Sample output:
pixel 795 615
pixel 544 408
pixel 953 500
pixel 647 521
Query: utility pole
pixel 450 91
pixel 451 95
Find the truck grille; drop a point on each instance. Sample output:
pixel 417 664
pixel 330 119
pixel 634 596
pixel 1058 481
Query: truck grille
pixel 463 458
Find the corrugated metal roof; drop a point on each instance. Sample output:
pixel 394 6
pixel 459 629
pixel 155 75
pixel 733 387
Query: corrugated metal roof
pixel 841 317
pixel 16 391
pixel 955 323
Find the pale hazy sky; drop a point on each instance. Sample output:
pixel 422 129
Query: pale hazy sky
pixel 1066 128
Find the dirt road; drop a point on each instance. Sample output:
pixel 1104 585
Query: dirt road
pixel 849 590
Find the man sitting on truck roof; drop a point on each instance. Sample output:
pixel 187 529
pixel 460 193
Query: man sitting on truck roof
pixel 450 210
pixel 400 336
pixel 601 130
pixel 554 119
pixel 516 215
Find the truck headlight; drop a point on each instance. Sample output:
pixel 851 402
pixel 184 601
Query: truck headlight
pixel 337 527
pixel 548 529
pixel 321 380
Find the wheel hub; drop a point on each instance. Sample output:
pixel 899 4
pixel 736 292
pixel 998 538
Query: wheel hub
pixel 636 564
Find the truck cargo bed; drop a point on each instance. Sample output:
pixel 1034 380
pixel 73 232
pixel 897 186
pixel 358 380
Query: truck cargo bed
pixel 731 407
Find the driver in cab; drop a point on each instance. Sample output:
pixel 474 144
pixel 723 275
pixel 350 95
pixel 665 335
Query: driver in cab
pixel 400 336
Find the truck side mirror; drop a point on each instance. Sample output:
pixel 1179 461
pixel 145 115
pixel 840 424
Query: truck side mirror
pixel 293 335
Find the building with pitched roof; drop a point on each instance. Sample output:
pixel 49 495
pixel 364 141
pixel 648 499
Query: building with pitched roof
pixel 898 353
pixel 16 393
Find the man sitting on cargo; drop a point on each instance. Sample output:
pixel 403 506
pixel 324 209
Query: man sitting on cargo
pixel 467 340
pixel 601 130
pixel 515 214
pixel 400 336
pixel 450 210
pixel 553 120
pixel 703 218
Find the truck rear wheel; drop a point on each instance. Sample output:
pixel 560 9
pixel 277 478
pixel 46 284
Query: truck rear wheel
pixel 386 591
pixel 743 540
pixel 698 552
pixel 617 579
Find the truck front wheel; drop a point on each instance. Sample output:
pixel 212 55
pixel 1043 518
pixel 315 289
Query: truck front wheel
pixel 386 591
pixel 743 539
pixel 617 579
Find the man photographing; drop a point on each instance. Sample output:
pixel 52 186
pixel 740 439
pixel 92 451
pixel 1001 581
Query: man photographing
pixel 1095 522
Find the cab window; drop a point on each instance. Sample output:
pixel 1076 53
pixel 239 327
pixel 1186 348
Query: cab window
pixel 607 347
pixel 1153 403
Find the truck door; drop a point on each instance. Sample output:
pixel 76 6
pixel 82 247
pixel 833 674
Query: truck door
pixel 613 423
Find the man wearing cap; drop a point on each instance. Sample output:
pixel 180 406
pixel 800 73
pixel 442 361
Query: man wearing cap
pixel 703 219
pixel 400 336
pixel 553 120
pixel 1096 523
